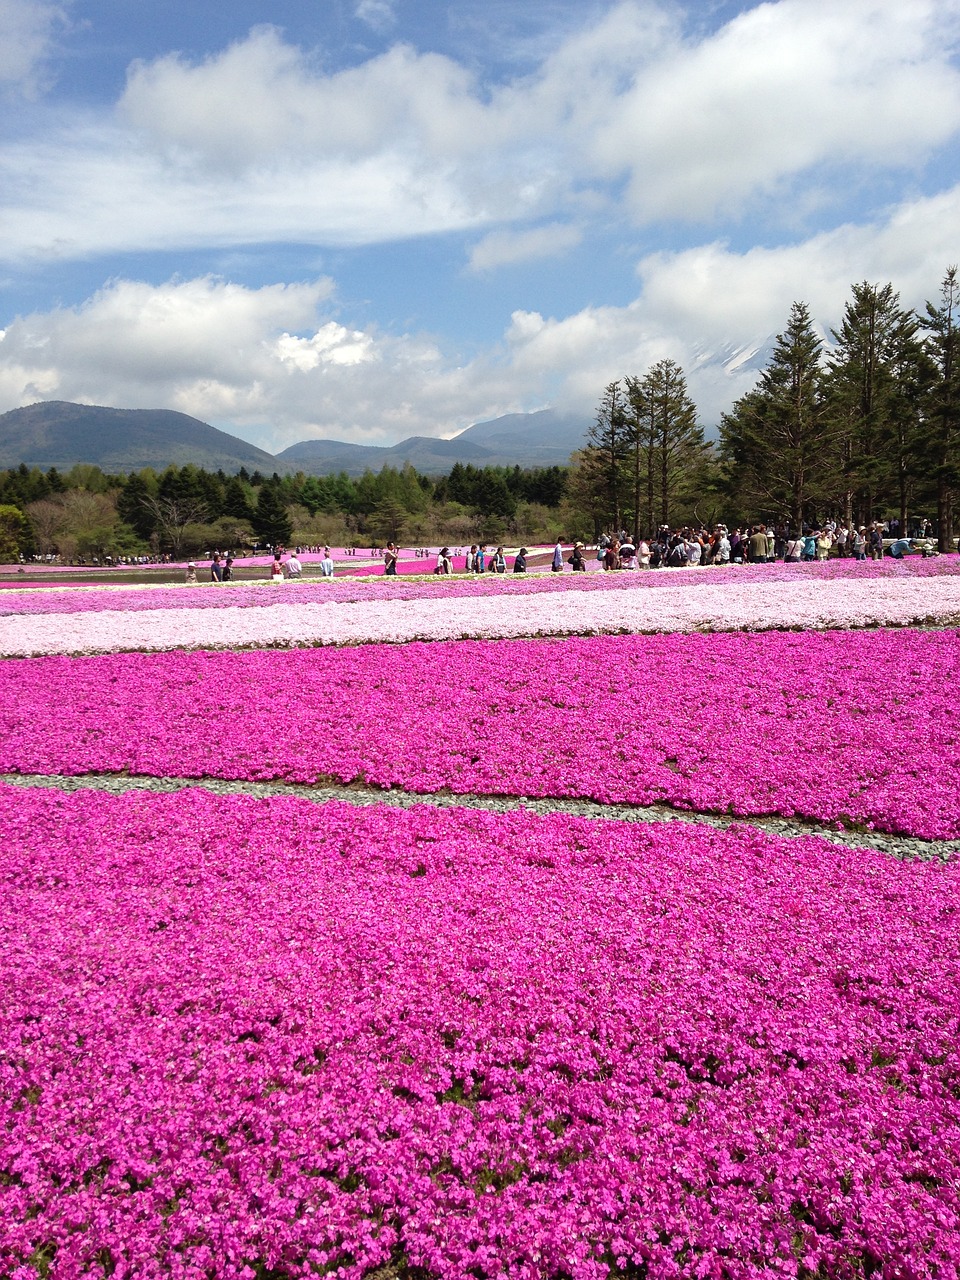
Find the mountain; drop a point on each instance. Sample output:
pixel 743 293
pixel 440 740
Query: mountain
pixel 428 455
pixel 56 433
pixel 541 439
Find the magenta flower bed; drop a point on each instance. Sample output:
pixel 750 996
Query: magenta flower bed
pixel 837 726
pixel 214 596
pixel 242 1034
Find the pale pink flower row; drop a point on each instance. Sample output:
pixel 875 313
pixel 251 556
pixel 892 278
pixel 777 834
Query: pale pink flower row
pixel 728 606
pixel 343 590
pixel 841 726
pixel 245 1037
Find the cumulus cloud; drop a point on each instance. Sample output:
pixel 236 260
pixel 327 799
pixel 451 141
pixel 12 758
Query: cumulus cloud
pixel 507 248
pixel 275 364
pixel 781 89
pixel 27 29
pixel 631 115
pixel 379 15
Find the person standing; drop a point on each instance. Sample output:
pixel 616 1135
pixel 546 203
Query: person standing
pixel 390 557
pixel 758 545
pixel 520 563
pixel 497 562
pixel 557 564
pixel 227 569
pixel 294 567
pixel 443 561
pixel 326 564
pixel 216 572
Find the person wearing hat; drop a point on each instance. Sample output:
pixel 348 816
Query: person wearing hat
pixel 576 561
pixel 191 572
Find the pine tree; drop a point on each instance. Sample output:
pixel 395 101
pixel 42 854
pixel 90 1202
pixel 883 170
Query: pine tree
pixel 604 458
pixel 133 506
pixel 236 500
pixel 675 437
pixel 777 436
pixel 942 324
pixel 862 390
pixel 271 523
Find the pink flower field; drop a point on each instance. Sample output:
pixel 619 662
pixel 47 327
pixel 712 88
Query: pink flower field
pixel 843 727
pixel 267 1038
pixel 256 1037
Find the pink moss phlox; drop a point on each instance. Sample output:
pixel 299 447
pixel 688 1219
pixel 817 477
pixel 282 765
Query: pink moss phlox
pixel 846 727
pixel 241 1034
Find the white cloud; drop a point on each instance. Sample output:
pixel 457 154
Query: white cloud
pixel 27 28
pixel 379 15
pixel 781 89
pixel 259 143
pixel 507 248
pixel 275 366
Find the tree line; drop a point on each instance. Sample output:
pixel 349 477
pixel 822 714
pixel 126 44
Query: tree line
pixel 867 427
pixel 864 427
pixel 86 515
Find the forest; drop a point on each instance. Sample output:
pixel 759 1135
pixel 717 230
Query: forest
pixel 863 426
pixel 86 515
pixel 857 425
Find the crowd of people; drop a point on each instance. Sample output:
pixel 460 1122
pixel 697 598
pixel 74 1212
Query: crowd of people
pixel 668 548
pixel 757 544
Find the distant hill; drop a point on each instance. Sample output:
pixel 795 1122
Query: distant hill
pixel 543 439
pixel 56 433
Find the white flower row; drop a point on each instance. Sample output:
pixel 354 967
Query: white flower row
pixel 727 606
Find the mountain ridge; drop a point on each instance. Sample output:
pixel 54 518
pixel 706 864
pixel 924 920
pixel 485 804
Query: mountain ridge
pixel 60 433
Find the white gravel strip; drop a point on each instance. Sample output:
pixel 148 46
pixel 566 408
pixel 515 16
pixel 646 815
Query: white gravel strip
pixel 907 847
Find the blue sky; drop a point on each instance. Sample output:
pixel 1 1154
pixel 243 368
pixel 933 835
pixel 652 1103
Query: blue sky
pixel 366 219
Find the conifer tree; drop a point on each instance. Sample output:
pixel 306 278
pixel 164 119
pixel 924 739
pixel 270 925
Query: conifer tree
pixel 777 436
pixel 604 457
pixel 862 390
pixel 675 436
pixel 271 522
pixel 942 324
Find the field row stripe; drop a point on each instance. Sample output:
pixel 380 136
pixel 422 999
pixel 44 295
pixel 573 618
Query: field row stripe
pixel 121 784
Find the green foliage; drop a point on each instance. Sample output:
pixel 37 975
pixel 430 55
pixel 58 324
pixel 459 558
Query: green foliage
pixel 942 435
pixel 642 454
pixel 778 437
pixel 271 523
pixel 14 533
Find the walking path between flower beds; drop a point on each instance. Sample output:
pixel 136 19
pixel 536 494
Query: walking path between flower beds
pixel 906 847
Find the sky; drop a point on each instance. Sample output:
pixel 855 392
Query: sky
pixel 369 219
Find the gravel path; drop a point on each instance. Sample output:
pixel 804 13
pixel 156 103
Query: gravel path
pixel 114 784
